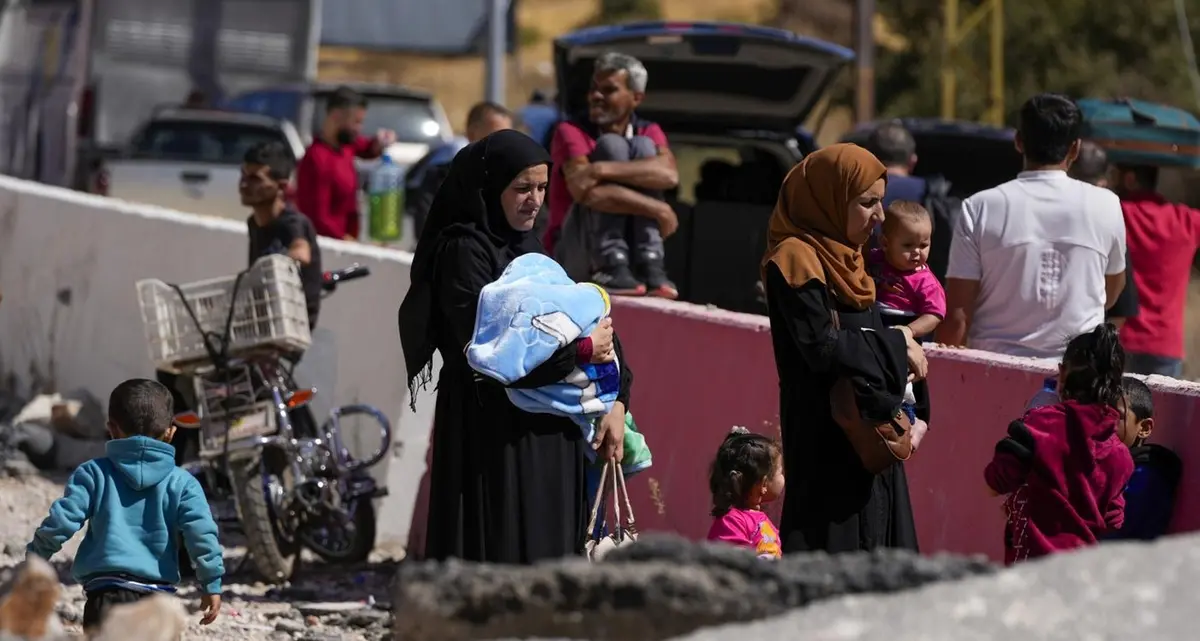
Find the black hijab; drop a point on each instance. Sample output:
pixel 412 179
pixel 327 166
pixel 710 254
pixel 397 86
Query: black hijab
pixel 467 205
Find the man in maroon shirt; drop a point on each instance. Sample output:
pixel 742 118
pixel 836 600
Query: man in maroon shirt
pixel 1163 238
pixel 613 167
pixel 326 179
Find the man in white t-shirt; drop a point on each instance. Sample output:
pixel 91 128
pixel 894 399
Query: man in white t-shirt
pixel 1037 260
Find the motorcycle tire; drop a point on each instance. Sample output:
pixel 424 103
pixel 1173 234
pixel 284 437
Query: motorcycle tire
pixel 272 558
pixel 364 536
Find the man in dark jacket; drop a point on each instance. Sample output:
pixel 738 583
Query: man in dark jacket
pixel 895 147
pixel 426 175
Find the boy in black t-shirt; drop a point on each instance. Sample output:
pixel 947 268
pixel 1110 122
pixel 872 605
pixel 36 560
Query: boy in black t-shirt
pixel 275 228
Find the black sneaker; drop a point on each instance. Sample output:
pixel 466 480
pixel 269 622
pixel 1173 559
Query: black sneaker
pixel 618 280
pixel 657 282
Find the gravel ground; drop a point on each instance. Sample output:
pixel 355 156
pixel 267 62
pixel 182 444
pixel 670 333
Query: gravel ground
pixel 323 603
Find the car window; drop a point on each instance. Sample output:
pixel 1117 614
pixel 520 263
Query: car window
pixel 412 119
pixel 727 173
pixel 283 104
pixel 199 141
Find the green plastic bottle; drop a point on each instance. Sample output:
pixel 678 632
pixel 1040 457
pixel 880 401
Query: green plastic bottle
pixel 386 195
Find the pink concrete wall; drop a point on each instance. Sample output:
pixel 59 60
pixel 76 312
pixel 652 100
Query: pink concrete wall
pixel 699 372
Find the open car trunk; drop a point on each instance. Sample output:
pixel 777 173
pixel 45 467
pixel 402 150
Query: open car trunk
pixel 707 74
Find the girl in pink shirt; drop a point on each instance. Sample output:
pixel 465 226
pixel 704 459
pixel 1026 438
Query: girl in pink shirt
pixel 747 472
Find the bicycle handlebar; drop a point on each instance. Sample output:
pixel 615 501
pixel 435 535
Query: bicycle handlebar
pixel 330 280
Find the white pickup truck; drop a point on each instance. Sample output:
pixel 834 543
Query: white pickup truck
pixel 190 160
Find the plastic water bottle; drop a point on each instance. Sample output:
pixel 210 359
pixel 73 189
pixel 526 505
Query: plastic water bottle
pixel 386 196
pixel 1048 395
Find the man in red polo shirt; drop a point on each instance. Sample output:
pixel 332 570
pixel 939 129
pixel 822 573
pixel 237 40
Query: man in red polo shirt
pixel 326 179
pixel 610 171
pixel 1163 238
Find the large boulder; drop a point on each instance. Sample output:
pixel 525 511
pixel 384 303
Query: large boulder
pixel 1114 591
pixel 659 588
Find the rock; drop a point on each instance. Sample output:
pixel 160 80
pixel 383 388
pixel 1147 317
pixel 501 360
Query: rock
pixel 366 618
pixel 296 593
pixel 14 549
pixel 283 613
pixel 290 625
pixel 322 609
pixel 71 452
pixel 18 467
pixel 70 612
pixel 1114 591
pixel 663 586
pixel 77 414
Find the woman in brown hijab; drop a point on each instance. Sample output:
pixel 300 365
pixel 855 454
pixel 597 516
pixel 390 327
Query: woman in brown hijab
pixel 813 267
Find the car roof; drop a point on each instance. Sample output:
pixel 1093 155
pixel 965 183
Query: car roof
pixel 216 116
pixel 368 88
pixel 937 126
pixel 602 34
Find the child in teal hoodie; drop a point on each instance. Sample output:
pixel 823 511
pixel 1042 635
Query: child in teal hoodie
pixel 136 503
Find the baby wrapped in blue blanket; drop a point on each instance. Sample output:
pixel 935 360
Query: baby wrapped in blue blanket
pixel 524 317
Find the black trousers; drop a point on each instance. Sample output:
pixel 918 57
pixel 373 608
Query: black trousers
pixel 99 602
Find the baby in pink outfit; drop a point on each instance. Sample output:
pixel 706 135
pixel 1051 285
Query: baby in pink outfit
pixel 747 473
pixel 906 291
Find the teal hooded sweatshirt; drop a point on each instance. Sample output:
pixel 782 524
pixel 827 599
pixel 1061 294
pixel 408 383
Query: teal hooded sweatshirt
pixel 136 503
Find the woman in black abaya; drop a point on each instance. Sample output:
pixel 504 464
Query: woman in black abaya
pixel 506 486
pixel 813 269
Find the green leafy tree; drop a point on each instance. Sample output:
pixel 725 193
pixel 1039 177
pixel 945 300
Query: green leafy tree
pixel 617 11
pixel 1082 48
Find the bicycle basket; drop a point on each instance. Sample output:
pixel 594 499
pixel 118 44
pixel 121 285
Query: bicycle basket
pixel 269 311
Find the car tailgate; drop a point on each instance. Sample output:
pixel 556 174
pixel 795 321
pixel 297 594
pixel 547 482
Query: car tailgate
pixel 718 74
pixel 201 188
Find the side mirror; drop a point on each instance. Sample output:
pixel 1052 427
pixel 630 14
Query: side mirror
pixel 300 398
pixel 187 421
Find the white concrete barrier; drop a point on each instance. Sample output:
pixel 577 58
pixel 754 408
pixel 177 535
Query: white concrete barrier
pixel 70 318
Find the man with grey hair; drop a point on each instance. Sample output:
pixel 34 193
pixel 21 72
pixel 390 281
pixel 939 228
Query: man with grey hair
pixel 610 171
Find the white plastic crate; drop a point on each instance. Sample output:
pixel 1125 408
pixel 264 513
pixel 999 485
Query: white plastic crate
pixel 270 312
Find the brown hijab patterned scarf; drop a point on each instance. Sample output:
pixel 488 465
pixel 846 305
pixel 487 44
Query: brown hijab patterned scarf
pixel 806 237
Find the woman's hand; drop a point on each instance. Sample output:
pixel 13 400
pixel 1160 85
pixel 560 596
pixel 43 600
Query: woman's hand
pixel 602 343
pixel 609 441
pixel 918 367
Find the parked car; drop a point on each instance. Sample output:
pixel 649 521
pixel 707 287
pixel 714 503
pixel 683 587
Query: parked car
pixel 731 99
pixel 191 160
pixel 973 157
pixel 417 118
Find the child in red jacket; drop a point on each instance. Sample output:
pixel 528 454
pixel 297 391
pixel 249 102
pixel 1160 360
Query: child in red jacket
pixel 1064 466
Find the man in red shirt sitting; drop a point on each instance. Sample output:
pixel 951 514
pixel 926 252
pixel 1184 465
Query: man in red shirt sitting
pixel 613 168
pixel 1162 239
pixel 326 179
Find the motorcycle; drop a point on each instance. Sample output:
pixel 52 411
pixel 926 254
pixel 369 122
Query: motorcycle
pixel 269 469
